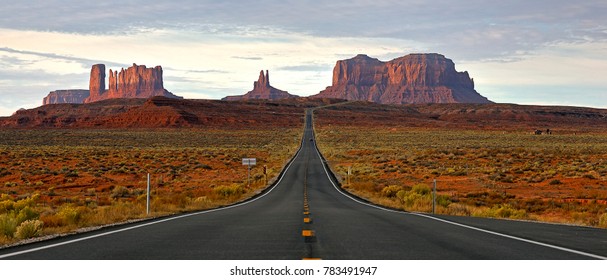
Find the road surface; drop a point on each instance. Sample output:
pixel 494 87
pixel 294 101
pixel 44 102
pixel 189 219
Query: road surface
pixel 305 216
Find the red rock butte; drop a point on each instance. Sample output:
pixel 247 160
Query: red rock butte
pixel 66 96
pixel 137 81
pixel 262 90
pixel 414 78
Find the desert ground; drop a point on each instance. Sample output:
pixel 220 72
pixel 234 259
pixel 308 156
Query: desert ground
pixel 65 168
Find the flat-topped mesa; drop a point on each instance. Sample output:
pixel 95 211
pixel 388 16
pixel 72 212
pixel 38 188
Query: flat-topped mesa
pixel 262 90
pixel 66 96
pixel 137 81
pixel 414 78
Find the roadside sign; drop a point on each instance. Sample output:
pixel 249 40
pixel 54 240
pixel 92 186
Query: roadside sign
pixel 249 161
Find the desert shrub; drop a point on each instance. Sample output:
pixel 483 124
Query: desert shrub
pixel 390 191
pixel 555 182
pixel 6 205
pixel 458 210
pixel 414 201
pixel 27 213
pixel 229 190
pixel 8 225
pixel 421 189
pixel 70 214
pixel 50 220
pixel 29 229
pixel 603 220
pixel 503 211
pixel 120 191
pixel 30 201
pixel 443 200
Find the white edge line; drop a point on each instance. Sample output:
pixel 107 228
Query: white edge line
pixel 159 221
pixel 458 224
pixel 513 237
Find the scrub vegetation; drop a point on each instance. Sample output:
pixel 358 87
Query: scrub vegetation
pixel 57 181
pixel 501 174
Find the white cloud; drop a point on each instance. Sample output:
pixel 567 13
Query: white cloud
pixel 216 48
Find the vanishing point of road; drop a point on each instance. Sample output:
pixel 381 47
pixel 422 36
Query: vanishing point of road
pixel 306 216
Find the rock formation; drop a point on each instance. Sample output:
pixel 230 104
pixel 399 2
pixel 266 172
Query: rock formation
pixel 97 81
pixel 137 81
pixel 414 78
pixel 262 90
pixel 66 96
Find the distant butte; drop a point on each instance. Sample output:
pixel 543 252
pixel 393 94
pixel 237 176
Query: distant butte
pixel 66 96
pixel 137 81
pixel 262 90
pixel 414 78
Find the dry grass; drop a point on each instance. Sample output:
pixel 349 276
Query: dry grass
pixel 556 178
pixel 55 181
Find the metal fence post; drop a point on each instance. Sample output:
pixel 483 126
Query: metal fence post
pixel 434 198
pixel 147 207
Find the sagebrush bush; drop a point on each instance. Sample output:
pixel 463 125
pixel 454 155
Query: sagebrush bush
pixel 603 220
pixel 458 210
pixel 421 189
pixel 391 191
pixel 8 225
pixel 70 214
pixel 229 190
pixel 27 213
pixel 29 229
pixel 503 211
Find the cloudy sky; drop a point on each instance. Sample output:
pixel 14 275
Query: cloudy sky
pixel 518 51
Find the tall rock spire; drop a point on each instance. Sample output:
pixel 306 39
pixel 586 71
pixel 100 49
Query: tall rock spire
pixel 97 80
pixel 262 90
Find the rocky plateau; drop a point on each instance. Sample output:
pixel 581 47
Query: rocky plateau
pixel 414 78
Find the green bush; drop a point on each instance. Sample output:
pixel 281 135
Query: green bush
pixel 503 211
pixel 603 220
pixel 29 229
pixel 70 214
pixel 390 191
pixel 421 189
pixel 27 213
pixel 230 190
pixel 8 225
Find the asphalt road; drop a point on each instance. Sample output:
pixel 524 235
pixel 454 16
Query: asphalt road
pixel 274 226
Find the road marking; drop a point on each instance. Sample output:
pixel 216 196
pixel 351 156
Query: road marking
pixel 513 237
pixel 307 220
pixel 159 221
pixel 307 233
pixel 458 224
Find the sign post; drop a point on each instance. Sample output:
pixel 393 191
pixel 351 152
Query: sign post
pixel 434 198
pixel 147 205
pixel 249 162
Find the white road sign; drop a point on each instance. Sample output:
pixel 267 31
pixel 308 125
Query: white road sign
pixel 249 161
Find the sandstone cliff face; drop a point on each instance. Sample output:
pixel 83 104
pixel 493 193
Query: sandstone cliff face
pixel 137 81
pixel 97 80
pixel 415 78
pixel 66 96
pixel 262 90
